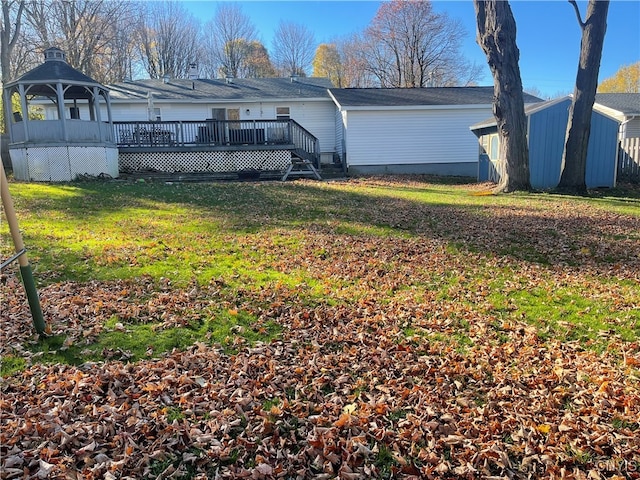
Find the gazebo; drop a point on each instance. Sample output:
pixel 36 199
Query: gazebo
pixel 71 139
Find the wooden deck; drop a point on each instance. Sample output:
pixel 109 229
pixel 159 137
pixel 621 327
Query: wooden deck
pixel 212 135
pixel 265 147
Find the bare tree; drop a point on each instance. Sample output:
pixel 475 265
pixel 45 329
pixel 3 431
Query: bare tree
pixel 574 158
pixel 120 56
pixel 12 13
pixel 86 30
pixel 227 37
pixel 408 44
pixel 354 63
pixel 169 40
pixel 25 55
pixel 293 48
pixel 11 23
pixel 497 37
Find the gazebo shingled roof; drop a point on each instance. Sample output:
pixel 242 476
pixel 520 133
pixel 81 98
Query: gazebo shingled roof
pixel 54 70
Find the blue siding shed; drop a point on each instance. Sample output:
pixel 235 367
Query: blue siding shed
pixel 547 125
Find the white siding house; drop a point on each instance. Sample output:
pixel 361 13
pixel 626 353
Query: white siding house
pixel 412 130
pixel 624 107
pixel 304 100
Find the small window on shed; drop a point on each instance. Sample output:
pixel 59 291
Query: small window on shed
pixel 494 149
pixel 283 113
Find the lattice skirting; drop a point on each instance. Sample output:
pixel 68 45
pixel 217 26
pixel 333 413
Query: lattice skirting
pixel 218 162
pixel 63 163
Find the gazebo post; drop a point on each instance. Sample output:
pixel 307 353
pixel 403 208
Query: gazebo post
pixel 25 267
pixel 25 111
pixel 61 112
pixel 95 110
pixel 6 104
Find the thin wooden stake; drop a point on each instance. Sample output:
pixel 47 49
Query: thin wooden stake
pixel 23 261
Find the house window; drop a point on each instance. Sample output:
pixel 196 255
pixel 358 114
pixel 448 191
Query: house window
pixel 283 113
pixel 157 116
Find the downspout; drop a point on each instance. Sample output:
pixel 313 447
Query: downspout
pixel 623 126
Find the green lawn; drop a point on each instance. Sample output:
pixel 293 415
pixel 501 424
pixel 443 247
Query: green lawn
pixel 399 327
pixel 546 259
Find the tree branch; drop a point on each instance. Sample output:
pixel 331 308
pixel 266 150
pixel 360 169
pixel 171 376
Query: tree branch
pixel 575 7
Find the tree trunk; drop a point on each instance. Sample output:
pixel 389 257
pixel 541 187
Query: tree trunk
pixel 574 158
pixel 497 37
pixel 7 43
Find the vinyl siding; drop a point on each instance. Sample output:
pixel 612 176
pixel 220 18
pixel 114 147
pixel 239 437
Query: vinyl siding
pixel 316 116
pixel 631 129
pixel 413 136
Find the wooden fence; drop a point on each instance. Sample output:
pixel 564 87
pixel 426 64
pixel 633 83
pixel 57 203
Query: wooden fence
pixel 629 160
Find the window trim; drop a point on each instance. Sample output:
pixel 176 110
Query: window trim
pixel 280 115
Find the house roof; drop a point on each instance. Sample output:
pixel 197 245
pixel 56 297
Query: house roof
pixel 625 103
pixel 528 110
pixel 405 97
pixel 533 108
pixel 235 89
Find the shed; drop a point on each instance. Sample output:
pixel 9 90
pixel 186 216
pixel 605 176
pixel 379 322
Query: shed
pixel 411 130
pixel 546 130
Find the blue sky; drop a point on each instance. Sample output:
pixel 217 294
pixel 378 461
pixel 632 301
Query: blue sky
pixel 548 32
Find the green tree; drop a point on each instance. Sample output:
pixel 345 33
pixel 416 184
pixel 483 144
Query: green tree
pixel 625 80
pixel 35 112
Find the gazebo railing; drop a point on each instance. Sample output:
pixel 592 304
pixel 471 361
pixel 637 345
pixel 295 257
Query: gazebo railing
pixel 53 131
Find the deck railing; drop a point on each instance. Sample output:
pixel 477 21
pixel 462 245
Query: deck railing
pixel 214 133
